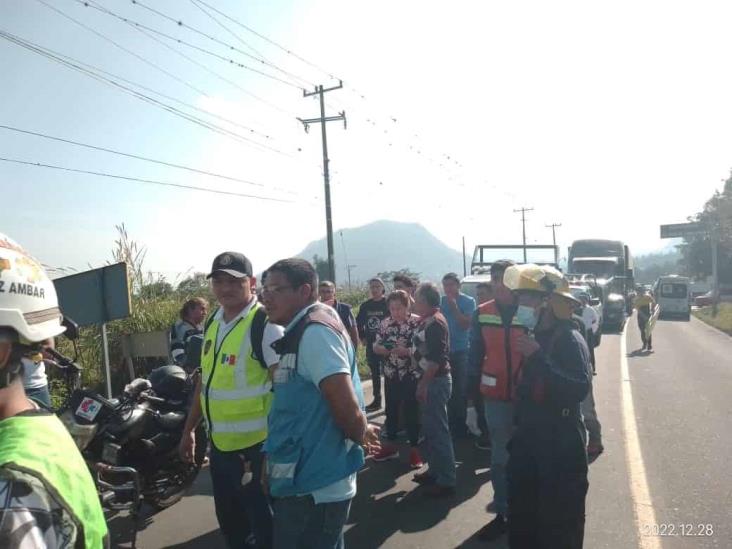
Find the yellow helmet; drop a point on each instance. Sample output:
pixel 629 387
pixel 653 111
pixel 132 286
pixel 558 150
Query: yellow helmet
pixel 538 278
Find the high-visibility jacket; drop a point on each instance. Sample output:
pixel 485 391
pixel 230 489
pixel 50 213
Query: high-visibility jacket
pixel 236 391
pixel 501 371
pixel 41 446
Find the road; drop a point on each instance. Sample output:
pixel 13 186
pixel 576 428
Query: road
pixel 667 439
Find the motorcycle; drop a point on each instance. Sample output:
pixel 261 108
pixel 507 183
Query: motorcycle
pixel 130 443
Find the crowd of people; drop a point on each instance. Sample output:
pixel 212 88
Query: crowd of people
pixel 281 398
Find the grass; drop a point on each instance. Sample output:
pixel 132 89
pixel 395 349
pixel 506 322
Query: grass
pixel 722 320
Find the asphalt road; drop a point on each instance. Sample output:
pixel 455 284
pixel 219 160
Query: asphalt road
pixel 682 406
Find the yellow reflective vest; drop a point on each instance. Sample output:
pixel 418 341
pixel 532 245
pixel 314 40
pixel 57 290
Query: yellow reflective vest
pixel 236 392
pixel 41 446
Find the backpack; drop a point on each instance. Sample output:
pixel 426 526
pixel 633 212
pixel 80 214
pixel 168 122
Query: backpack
pixel 256 333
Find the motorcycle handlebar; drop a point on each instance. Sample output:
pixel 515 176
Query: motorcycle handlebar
pixel 61 360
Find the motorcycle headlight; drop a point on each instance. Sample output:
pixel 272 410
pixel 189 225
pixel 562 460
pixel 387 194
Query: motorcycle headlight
pixel 82 434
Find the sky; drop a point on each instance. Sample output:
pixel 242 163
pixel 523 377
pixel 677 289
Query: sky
pixel 609 118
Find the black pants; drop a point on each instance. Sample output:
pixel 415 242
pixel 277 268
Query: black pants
pixel 402 394
pixel 547 486
pixel 241 510
pixel 646 339
pixel 374 362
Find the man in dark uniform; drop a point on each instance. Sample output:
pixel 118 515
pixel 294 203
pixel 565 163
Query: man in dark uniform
pixel 547 468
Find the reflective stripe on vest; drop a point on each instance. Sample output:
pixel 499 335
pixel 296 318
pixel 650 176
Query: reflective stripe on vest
pixel 236 395
pixel 41 446
pixel 501 370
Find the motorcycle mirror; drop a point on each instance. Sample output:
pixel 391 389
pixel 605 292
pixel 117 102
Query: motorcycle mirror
pixel 72 328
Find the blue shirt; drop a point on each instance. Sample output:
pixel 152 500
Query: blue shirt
pixel 323 353
pixel 459 337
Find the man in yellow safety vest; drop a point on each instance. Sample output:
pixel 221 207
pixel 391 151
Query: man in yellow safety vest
pixel 233 396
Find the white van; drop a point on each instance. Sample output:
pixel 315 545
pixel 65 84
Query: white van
pixel 673 294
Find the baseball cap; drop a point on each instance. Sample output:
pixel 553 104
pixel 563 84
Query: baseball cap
pixel 233 263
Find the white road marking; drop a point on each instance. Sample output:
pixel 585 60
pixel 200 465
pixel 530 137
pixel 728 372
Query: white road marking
pixel 645 516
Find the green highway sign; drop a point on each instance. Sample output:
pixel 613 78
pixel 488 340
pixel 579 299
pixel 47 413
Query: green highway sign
pixel 681 230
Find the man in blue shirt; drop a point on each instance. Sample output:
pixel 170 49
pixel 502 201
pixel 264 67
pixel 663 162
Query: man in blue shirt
pixel 458 309
pixel 317 428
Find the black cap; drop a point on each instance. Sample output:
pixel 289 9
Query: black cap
pixel 232 263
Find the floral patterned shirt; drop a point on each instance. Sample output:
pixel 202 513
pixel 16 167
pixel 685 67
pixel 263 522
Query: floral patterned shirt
pixel 392 334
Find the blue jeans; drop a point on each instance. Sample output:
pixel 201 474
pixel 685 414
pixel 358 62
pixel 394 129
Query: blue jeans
pixel 241 510
pixel 437 447
pixel 499 416
pixel 457 409
pixel 300 523
pixel 40 395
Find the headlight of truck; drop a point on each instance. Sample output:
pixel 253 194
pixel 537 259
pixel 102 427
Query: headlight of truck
pixel 615 301
pixel 82 434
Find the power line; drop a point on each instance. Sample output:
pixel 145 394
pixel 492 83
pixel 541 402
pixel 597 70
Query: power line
pixel 77 65
pixel 270 41
pixel 137 157
pixel 120 46
pixel 106 11
pixel 141 180
pixel 212 72
pixel 180 23
pixel 227 29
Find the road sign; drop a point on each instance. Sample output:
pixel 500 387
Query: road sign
pixel 681 230
pixel 96 296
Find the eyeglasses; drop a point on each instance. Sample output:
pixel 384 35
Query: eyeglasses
pixel 274 290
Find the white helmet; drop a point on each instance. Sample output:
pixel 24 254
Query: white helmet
pixel 28 302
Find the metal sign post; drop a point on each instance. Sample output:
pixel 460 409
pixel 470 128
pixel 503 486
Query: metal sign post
pixel 107 369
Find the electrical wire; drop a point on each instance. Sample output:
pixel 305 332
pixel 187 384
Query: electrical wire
pixel 137 157
pixel 190 45
pixel 123 48
pixel 74 64
pixel 142 180
pixel 270 41
pixel 180 23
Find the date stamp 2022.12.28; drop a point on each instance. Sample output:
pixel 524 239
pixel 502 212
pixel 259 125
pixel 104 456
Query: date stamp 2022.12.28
pixel 679 530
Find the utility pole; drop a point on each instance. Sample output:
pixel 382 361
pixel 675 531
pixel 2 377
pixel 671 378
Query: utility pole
pixel 465 269
pixel 554 240
pixel 523 223
pixel 319 90
pixel 348 268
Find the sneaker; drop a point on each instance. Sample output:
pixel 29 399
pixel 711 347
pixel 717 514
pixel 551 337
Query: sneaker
pixel 439 491
pixel 425 479
pixel 593 451
pixel 415 460
pixel 483 442
pixel 386 453
pixel 494 529
pixel 375 406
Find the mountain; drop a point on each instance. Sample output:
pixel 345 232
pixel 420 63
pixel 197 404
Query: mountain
pixel 387 246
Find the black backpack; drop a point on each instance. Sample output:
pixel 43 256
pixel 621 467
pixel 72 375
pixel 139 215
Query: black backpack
pixel 257 333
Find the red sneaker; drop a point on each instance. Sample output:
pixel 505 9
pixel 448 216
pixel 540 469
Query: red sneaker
pixel 415 460
pixel 386 453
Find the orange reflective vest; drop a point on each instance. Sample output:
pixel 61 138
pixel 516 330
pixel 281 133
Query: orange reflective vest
pixel 501 362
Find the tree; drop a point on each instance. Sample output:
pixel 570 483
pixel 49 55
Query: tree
pixel 321 267
pixel 697 250
pixel 195 284
pixel 388 276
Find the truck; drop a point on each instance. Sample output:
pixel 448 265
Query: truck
pixel 484 255
pixel 610 263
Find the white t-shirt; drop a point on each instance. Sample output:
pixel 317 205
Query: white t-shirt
pixel 591 319
pixel 34 374
pixel 272 332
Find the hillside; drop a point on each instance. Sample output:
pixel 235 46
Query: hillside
pixel 388 246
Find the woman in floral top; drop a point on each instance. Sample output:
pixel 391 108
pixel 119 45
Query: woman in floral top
pixel 393 342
